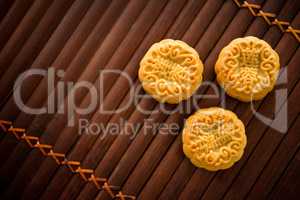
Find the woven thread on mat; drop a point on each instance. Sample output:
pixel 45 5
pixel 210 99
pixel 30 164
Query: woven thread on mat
pixel 270 18
pixel 87 175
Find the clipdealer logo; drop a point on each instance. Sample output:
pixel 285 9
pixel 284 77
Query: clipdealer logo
pixel 61 98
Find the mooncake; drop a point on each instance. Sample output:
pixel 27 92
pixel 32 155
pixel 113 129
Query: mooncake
pixel 170 71
pixel 247 68
pixel 214 138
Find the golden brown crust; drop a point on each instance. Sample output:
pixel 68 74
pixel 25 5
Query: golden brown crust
pixel 214 138
pixel 247 68
pixel 171 71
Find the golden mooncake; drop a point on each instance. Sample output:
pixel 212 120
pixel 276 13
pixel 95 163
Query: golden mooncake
pixel 214 138
pixel 247 68
pixel 170 71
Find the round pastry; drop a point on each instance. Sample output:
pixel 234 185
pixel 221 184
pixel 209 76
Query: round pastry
pixel 214 138
pixel 170 71
pixel 247 68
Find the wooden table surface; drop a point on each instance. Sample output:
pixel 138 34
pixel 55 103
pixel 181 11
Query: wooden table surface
pixel 83 36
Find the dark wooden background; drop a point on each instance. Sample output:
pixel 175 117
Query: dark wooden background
pixel 82 36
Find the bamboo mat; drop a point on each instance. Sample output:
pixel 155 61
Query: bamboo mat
pixel 43 158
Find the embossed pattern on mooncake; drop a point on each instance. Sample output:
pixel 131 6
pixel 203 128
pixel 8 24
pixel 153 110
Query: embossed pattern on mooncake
pixel 171 71
pixel 214 138
pixel 247 68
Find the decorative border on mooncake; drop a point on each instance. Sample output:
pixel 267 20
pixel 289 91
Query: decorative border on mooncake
pixel 254 81
pixel 177 61
pixel 270 18
pixel 228 154
pixel 86 174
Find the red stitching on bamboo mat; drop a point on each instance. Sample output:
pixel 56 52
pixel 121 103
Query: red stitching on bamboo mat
pixel 270 18
pixel 88 175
